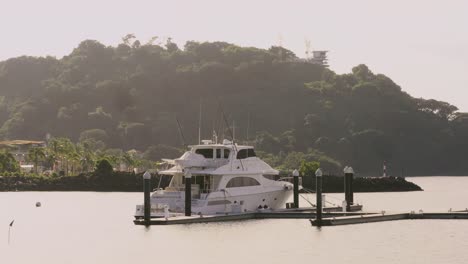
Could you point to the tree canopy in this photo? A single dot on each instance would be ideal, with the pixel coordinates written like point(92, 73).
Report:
point(129, 96)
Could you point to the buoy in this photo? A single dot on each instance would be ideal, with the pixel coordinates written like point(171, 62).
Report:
point(38, 204)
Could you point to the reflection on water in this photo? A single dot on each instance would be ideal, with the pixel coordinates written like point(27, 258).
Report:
point(87, 227)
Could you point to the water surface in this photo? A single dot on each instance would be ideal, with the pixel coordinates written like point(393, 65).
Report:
point(90, 227)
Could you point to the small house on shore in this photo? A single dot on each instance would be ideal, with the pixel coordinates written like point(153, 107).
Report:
point(19, 149)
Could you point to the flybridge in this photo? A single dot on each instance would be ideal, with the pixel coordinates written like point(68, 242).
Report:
point(210, 142)
point(209, 156)
point(212, 150)
point(223, 151)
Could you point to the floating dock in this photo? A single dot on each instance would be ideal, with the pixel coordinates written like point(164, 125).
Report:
point(292, 213)
point(332, 216)
point(370, 218)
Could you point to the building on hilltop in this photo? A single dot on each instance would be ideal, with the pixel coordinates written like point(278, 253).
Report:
point(319, 57)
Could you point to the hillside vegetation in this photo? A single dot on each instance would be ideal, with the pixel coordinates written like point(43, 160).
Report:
point(129, 97)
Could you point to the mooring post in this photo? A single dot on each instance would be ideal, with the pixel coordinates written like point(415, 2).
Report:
point(351, 179)
point(318, 186)
point(349, 196)
point(147, 202)
point(188, 193)
point(346, 191)
point(295, 175)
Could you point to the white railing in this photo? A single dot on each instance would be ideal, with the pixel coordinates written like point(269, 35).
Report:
point(196, 191)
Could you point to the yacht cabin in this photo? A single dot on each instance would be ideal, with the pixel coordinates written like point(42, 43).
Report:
point(216, 167)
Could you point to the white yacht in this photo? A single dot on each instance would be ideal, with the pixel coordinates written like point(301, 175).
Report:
point(226, 178)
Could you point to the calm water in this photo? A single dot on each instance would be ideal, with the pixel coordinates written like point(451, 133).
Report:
point(87, 227)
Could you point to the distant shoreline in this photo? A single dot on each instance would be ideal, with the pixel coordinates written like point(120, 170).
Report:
point(129, 182)
point(436, 176)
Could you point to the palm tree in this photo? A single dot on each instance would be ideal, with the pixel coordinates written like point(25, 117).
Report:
point(129, 160)
point(62, 149)
point(74, 157)
point(87, 155)
point(53, 152)
point(35, 155)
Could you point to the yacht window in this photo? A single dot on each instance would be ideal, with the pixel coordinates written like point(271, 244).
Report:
point(245, 153)
point(271, 177)
point(226, 153)
point(207, 153)
point(242, 154)
point(251, 153)
point(242, 182)
point(218, 153)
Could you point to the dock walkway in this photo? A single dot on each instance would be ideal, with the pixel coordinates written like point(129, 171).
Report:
point(369, 218)
point(332, 216)
point(293, 213)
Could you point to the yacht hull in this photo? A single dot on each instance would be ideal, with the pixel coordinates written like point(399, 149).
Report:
point(221, 203)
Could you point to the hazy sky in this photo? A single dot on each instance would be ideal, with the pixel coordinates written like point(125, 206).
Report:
point(421, 45)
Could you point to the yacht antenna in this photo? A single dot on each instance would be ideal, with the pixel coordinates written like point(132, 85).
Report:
point(232, 135)
point(199, 122)
point(233, 130)
point(215, 137)
point(223, 136)
point(181, 134)
point(248, 125)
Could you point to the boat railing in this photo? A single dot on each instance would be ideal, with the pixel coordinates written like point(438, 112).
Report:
point(196, 191)
point(174, 189)
point(289, 179)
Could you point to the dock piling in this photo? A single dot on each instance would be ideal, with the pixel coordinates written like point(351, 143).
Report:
point(348, 186)
point(318, 214)
point(147, 199)
point(188, 193)
point(351, 179)
point(295, 175)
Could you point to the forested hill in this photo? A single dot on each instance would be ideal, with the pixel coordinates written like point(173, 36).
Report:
point(129, 97)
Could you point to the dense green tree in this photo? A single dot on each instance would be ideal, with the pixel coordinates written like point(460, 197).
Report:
point(127, 97)
point(94, 134)
point(8, 162)
point(103, 169)
point(308, 168)
point(159, 152)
